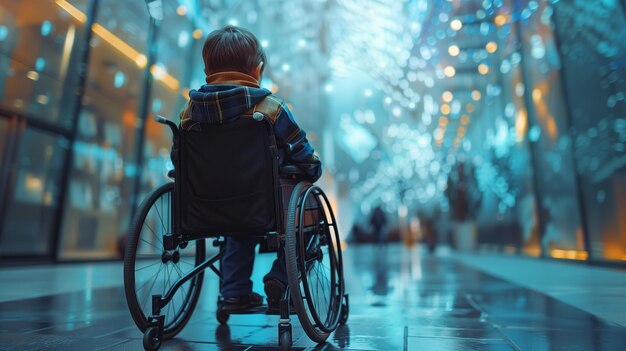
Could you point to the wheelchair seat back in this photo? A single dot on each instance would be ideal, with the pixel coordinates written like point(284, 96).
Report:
point(226, 180)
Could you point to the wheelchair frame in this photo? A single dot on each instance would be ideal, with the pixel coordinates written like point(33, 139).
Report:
point(154, 327)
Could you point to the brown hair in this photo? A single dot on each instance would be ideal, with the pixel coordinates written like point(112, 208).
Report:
point(232, 49)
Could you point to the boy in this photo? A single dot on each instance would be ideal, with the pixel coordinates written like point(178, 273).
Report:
point(233, 64)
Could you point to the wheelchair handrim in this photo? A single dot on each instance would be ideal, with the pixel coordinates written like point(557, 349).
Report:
point(336, 286)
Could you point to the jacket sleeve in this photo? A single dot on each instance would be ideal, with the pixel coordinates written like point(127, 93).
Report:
point(302, 154)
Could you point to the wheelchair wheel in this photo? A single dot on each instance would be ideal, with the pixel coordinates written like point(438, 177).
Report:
point(314, 261)
point(149, 269)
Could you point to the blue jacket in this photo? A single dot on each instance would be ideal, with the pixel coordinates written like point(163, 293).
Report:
point(231, 95)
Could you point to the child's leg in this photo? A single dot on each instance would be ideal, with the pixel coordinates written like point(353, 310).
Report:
point(237, 266)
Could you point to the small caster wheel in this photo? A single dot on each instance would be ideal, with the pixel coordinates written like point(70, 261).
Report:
point(151, 341)
point(345, 312)
point(222, 316)
point(284, 341)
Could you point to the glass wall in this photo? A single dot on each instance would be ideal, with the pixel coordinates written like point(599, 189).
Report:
point(38, 50)
point(559, 219)
point(504, 169)
point(590, 35)
point(177, 40)
point(29, 221)
point(505, 117)
point(101, 179)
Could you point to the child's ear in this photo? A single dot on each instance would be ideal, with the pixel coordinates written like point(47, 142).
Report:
point(257, 71)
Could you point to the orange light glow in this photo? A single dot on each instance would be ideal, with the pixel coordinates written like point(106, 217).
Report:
point(123, 47)
point(197, 34)
point(73, 11)
point(465, 119)
point(454, 50)
point(129, 118)
point(445, 109)
point(500, 20)
point(521, 125)
point(449, 71)
point(569, 254)
point(161, 74)
point(552, 129)
point(33, 183)
point(185, 93)
point(181, 10)
point(533, 251)
point(140, 59)
point(456, 24)
point(476, 95)
point(483, 69)
point(537, 95)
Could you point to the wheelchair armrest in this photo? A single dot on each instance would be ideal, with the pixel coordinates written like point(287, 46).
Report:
point(291, 171)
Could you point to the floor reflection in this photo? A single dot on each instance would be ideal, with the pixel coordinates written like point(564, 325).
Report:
point(400, 299)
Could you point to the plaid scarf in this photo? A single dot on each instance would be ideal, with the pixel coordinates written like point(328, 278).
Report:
point(227, 96)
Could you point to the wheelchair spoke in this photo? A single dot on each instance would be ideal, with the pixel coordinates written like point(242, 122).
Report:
point(321, 284)
point(150, 265)
point(180, 275)
point(151, 244)
point(167, 279)
point(159, 214)
point(173, 301)
point(153, 232)
point(146, 275)
point(145, 300)
point(144, 284)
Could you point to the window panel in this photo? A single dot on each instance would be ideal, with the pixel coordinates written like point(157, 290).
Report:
point(561, 226)
point(176, 44)
point(33, 206)
point(39, 46)
point(595, 80)
point(104, 167)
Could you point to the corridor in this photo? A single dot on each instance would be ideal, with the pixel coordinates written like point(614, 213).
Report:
point(400, 299)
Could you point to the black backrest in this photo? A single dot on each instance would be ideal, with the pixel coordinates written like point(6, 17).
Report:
point(226, 180)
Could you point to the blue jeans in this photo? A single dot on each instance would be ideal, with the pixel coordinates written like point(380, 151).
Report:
point(237, 264)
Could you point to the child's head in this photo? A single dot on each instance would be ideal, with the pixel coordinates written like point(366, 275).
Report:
point(233, 49)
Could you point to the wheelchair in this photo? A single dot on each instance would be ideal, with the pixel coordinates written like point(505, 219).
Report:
point(227, 183)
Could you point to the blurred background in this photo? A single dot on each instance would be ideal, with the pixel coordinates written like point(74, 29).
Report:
point(496, 125)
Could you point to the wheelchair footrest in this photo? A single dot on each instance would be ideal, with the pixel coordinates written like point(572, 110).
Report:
point(252, 310)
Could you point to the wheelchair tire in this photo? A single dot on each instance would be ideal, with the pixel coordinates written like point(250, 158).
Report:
point(312, 250)
point(284, 340)
point(151, 341)
point(145, 255)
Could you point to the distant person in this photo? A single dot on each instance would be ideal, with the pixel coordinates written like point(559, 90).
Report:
point(428, 228)
point(378, 221)
point(233, 63)
point(357, 234)
point(464, 198)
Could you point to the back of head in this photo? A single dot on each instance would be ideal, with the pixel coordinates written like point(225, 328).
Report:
point(232, 49)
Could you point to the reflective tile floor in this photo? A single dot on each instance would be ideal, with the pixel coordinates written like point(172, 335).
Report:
point(401, 299)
